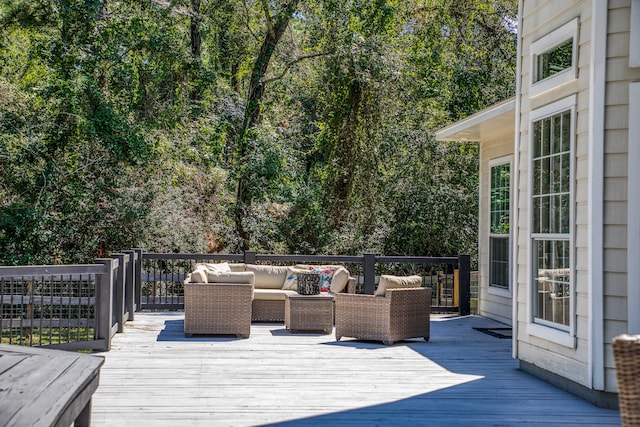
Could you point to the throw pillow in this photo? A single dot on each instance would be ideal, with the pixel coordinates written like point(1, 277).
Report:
point(291, 282)
point(309, 283)
point(199, 275)
point(339, 280)
point(325, 276)
point(222, 267)
point(396, 282)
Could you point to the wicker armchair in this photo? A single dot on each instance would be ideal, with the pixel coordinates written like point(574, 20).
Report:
point(626, 354)
point(217, 308)
point(401, 314)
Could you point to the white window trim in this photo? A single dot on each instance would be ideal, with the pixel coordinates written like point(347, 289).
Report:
point(550, 333)
point(496, 290)
point(634, 35)
point(540, 46)
point(633, 226)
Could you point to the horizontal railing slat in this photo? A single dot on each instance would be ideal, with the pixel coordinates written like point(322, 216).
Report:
point(46, 300)
point(47, 323)
point(37, 271)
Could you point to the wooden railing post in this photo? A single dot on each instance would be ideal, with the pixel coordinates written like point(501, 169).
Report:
point(369, 270)
point(129, 305)
point(249, 257)
point(119, 289)
point(104, 303)
point(137, 275)
point(464, 263)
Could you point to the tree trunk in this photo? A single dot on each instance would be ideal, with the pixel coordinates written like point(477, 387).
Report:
point(276, 26)
point(196, 45)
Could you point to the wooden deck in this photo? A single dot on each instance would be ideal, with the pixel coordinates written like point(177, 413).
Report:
point(154, 376)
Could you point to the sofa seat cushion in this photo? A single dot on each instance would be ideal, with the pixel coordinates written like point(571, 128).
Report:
point(268, 276)
point(271, 294)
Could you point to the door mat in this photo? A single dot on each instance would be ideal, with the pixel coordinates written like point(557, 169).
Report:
point(496, 332)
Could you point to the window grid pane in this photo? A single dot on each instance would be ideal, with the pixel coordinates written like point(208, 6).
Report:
point(552, 281)
point(551, 175)
point(500, 194)
point(551, 216)
point(499, 266)
point(499, 226)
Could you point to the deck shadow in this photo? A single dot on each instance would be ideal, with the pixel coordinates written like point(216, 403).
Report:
point(490, 390)
point(174, 331)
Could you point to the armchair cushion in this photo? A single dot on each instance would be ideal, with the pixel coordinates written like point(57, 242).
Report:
point(397, 282)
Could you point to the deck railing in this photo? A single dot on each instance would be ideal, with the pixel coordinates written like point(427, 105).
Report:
point(162, 275)
point(79, 307)
point(71, 307)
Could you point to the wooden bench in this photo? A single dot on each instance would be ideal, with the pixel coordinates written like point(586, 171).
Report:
point(41, 387)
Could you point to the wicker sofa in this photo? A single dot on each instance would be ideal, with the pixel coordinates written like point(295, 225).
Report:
point(270, 284)
point(400, 309)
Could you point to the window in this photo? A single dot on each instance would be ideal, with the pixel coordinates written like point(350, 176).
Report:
point(553, 58)
point(551, 222)
point(499, 247)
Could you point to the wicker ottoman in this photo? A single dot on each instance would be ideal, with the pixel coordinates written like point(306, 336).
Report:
point(309, 313)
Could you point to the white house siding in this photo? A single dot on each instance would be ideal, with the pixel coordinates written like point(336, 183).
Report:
point(616, 179)
point(496, 303)
point(540, 18)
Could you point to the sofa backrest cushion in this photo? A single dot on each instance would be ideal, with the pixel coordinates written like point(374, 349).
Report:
point(268, 276)
point(232, 277)
point(396, 282)
point(237, 267)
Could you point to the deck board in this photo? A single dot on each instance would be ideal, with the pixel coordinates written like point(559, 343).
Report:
point(154, 376)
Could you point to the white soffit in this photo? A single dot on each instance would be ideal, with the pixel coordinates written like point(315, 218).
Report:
point(495, 121)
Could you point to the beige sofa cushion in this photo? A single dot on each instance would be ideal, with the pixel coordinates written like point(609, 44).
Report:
point(339, 280)
point(237, 267)
point(199, 275)
point(271, 294)
point(397, 282)
point(232, 277)
point(221, 267)
point(268, 276)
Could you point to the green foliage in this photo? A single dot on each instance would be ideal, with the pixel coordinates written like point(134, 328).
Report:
point(117, 130)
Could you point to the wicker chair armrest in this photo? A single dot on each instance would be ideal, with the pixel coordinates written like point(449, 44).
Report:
point(367, 304)
point(406, 296)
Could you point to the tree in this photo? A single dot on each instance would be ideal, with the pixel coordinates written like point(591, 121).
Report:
point(275, 27)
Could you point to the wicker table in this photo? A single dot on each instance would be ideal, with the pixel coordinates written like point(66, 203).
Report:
point(309, 313)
